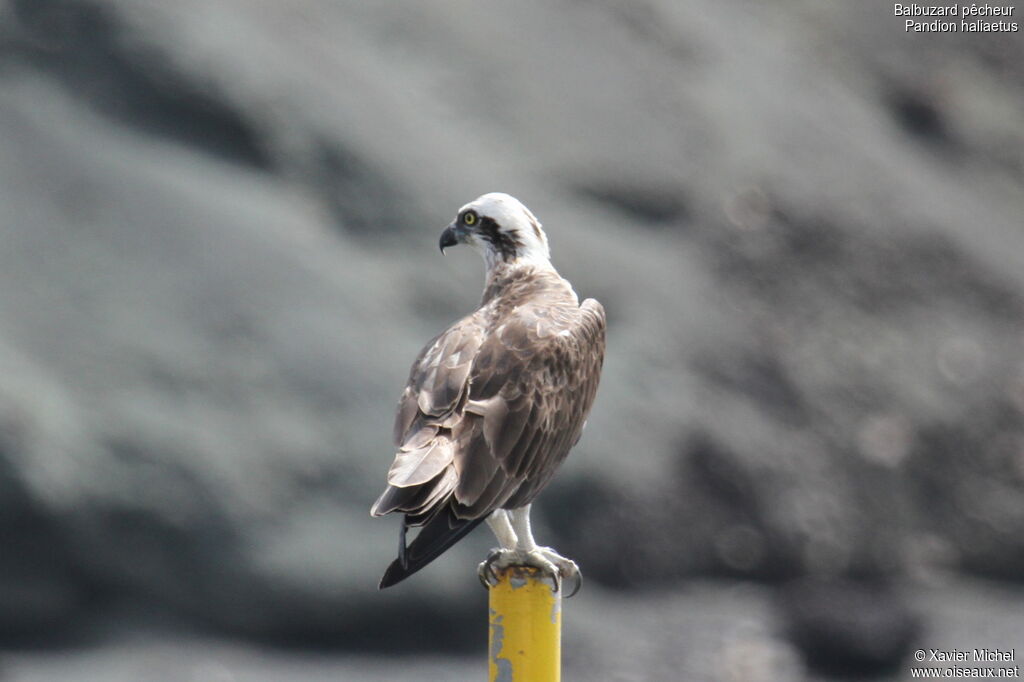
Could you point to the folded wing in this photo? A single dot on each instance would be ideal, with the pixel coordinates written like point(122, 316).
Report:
point(492, 407)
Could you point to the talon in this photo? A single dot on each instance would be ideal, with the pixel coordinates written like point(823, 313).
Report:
point(564, 568)
point(579, 583)
point(481, 578)
point(544, 558)
point(485, 569)
point(556, 575)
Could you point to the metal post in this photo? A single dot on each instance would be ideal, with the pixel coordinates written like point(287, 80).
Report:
point(525, 641)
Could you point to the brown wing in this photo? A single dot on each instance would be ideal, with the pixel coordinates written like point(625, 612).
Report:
point(486, 418)
point(422, 475)
point(531, 387)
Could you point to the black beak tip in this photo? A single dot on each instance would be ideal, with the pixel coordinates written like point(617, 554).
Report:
point(447, 239)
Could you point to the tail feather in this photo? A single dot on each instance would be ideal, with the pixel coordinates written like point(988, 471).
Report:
point(440, 533)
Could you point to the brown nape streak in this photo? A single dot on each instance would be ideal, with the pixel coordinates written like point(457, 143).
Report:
point(536, 228)
point(504, 243)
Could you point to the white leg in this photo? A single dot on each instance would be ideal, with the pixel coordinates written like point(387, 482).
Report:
point(518, 548)
point(499, 523)
point(520, 522)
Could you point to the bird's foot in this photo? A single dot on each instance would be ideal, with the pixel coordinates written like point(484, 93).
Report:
point(547, 560)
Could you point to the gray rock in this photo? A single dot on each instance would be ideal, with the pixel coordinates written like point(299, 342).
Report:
point(218, 256)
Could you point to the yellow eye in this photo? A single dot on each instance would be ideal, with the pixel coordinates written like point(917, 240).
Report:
point(469, 218)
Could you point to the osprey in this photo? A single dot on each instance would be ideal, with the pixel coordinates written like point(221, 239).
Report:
point(494, 404)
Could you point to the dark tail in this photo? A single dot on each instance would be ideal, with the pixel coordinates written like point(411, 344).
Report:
point(440, 533)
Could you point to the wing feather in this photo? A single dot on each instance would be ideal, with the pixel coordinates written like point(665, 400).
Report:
point(419, 465)
point(476, 467)
point(491, 409)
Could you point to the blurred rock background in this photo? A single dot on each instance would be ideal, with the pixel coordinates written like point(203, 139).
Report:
point(218, 227)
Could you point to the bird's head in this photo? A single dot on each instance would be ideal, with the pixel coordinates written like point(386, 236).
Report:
point(501, 228)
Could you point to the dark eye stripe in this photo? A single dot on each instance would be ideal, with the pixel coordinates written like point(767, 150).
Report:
point(504, 243)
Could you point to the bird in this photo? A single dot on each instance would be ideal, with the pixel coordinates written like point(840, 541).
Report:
point(494, 404)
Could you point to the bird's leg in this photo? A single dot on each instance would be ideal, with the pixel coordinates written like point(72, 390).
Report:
point(524, 551)
point(502, 528)
point(559, 566)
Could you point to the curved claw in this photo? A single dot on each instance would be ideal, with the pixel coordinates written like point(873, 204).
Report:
point(579, 583)
point(485, 570)
point(546, 559)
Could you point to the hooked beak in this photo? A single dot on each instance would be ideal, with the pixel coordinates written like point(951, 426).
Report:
point(448, 238)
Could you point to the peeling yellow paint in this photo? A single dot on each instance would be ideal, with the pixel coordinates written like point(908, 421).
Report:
point(525, 627)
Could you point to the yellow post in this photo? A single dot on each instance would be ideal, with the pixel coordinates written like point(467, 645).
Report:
point(525, 641)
